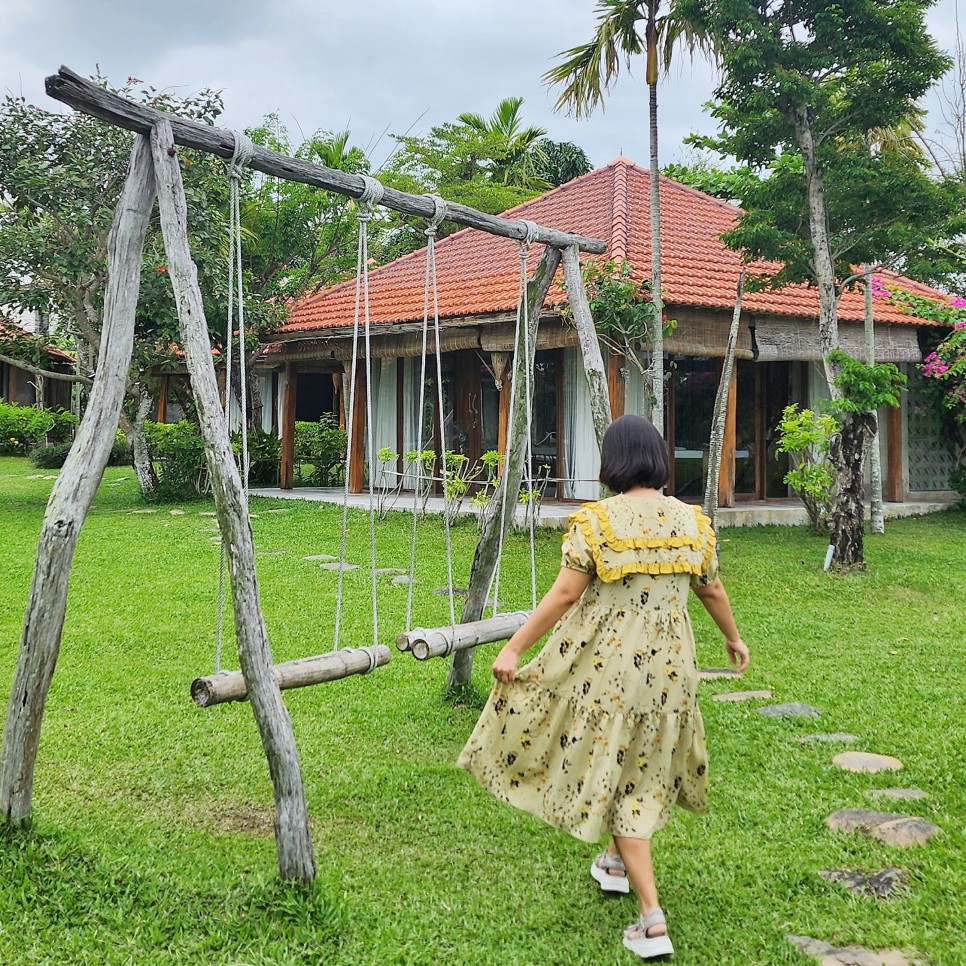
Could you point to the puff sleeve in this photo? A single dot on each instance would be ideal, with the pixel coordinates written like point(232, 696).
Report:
point(576, 552)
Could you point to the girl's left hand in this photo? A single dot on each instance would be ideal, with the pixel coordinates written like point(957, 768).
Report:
point(505, 665)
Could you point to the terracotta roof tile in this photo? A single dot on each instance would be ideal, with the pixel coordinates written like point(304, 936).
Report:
point(477, 273)
point(10, 330)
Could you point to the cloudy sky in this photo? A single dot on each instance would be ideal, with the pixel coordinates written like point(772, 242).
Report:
point(376, 67)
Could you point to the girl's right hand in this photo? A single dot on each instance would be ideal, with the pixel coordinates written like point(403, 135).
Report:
point(738, 654)
point(505, 665)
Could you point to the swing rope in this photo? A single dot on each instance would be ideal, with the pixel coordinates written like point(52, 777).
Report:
point(242, 154)
point(430, 292)
point(522, 320)
point(371, 196)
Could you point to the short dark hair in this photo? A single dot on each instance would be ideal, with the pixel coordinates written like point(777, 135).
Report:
point(633, 454)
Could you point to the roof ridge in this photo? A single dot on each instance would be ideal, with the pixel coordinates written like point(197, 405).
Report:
point(620, 211)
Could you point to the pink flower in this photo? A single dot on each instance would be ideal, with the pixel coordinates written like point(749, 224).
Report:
point(958, 302)
point(961, 324)
point(879, 290)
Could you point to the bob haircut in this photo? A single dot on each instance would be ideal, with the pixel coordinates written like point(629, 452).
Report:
point(633, 454)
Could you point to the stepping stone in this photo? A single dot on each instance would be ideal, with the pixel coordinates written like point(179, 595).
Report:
point(832, 738)
point(403, 579)
point(792, 710)
point(338, 566)
point(829, 955)
point(252, 516)
point(850, 819)
point(451, 591)
point(385, 571)
point(321, 556)
point(215, 539)
point(904, 833)
point(910, 793)
point(715, 673)
point(880, 885)
point(50, 477)
point(177, 513)
point(278, 510)
point(35, 476)
point(207, 513)
point(271, 553)
point(891, 828)
point(862, 761)
point(740, 695)
point(142, 511)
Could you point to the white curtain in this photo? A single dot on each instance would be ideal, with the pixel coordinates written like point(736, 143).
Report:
point(581, 453)
point(634, 393)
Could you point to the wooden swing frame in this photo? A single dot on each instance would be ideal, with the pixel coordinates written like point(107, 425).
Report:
point(155, 174)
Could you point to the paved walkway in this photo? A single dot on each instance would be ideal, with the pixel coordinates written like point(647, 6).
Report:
point(553, 513)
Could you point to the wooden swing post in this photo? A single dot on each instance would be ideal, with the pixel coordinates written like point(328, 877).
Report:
point(73, 493)
point(296, 859)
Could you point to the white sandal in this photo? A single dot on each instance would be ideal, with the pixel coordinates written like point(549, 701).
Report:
point(647, 947)
point(600, 869)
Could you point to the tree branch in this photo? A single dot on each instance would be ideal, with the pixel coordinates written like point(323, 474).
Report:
point(47, 374)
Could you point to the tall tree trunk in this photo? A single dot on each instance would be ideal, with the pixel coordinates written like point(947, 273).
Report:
point(657, 296)
point(143, 467)
point(848, 450)
point(73, 493)
point(496, 524)
point(851, 442)
point(875, 462)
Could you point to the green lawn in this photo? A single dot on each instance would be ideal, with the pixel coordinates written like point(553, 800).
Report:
point(152, 840)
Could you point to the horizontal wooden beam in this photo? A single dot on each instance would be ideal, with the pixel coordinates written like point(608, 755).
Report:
point(230, 685)
point(427, 642)
point(81, 94)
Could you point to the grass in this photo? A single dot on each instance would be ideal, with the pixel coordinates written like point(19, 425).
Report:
point(152, 836)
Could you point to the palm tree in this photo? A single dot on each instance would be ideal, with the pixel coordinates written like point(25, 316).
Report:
point(587, 71)
point(516, 147)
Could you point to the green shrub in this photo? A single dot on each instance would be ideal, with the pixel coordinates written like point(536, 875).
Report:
point(178, 453)
point(25, 428)
point(322, 446)
point(804, 435)
point(53, 457)
point(264, 452)
point(957, 480)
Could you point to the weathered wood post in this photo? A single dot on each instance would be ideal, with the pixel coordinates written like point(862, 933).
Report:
point(589, 343)
point(716, 444)
point(496, 524)
point(73, 493)
point(296, 860)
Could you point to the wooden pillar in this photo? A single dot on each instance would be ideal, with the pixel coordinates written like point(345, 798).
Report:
point(894, 490)
point(726, 479)
point(287, 470)
point(73, 493)
point(616, 385)
point(296, 860)
point(163, 400)
point(357, 458)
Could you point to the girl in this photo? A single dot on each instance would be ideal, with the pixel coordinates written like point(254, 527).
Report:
point(601, 732)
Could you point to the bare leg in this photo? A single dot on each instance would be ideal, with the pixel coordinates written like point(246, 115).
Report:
point(636, 854)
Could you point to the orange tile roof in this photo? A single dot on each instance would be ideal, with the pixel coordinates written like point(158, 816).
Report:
point(10, 330)
point(478, 273)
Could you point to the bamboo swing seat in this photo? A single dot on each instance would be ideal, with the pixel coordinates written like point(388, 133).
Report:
point(426, 642)
point(230, 685)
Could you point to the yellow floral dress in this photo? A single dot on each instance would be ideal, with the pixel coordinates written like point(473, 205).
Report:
point(601, 731)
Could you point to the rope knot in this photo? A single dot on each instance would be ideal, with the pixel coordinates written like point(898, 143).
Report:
point(440, 210)
point(372, 194)
point(241, 155)
point(531, 228)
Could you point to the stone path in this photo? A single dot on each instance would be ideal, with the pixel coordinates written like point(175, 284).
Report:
point(792, 710)
point(829, 955)
point(891, 828)
point(880, 885)
point(715, 673)
point(863, 761)
point(740, 695)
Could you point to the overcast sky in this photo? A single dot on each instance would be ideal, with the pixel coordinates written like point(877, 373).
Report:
point(376, 67)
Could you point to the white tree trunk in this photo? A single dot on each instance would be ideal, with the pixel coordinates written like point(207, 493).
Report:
point(140, 454)
point(657, 294)
point(73, 493)
point(296, 860)
point(875, 461)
